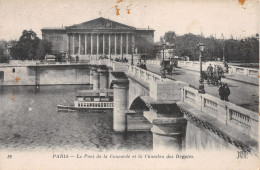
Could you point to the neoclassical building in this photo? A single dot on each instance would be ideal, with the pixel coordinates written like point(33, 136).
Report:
point(99, 37)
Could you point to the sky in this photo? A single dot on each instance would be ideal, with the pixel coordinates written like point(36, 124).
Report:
point(239, 18)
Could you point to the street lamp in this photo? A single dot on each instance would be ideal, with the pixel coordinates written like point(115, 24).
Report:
point(132, 59)
point(163, 64)
point(201, 86)
point(110, 52)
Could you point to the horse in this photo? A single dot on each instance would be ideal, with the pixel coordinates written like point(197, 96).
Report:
point(214, 79)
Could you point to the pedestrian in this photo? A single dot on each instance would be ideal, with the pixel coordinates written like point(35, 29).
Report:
point(210, 70)
point(226, 92)
point(221, 92)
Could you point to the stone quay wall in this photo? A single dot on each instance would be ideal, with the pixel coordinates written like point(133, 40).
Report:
point(44, 75)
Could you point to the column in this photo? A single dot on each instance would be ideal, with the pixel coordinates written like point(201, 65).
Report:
point(73, 44)
point(121, 44)
point(115, 44)
point(133, 41)
point(79, 43)
point(68, 43)
point(126, 43)
point(120, 106)
point(103, 44)
point(109, 44)
point(97, 44)
point(85, 44)
point(91, 44)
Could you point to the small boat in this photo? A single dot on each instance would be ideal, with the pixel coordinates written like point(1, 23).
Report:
point(90, 101)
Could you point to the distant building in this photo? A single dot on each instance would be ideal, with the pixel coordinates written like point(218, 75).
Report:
point(100, 37)
point(5, 48)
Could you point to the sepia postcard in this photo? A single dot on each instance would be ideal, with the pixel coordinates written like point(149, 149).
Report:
point(129, 84)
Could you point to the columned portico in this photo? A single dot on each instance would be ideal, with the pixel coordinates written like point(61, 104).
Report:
point(95, 47)
point(97, 37)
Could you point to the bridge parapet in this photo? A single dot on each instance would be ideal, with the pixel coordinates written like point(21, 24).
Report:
point(155, 62)
point(241, 119)
point(145, 75)
point(232, 69)
point(99, 62)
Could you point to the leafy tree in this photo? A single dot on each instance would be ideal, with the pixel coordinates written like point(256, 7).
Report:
point(26, 47)
point(44, 48)
point(169, 37)
point(246, 50)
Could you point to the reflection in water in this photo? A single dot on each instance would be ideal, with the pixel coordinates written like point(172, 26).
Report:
point(32, 121)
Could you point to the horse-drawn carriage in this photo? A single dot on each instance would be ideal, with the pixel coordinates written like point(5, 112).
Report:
point(168, 66)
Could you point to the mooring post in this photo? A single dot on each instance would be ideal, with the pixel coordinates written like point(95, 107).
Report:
point(37, 79)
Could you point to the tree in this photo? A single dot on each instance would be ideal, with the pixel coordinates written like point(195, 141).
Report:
point(26, 47)
point(246, 50)
point(44, 48)
point(169, 37)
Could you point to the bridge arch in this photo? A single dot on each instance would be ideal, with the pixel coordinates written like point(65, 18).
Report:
point(138, 104)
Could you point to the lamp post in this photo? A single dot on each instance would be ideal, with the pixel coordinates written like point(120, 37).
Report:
point(110, 53)
point(163, 65)
point(201, 85)
point(132, 59)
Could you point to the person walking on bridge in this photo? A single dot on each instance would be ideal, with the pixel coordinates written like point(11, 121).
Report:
point(221, 92)
point(226, 92)
point(210, 70)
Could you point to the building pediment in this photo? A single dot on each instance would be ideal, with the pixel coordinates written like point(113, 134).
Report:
point(101, 23)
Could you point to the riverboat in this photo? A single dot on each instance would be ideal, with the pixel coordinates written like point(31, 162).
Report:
point(93, 100)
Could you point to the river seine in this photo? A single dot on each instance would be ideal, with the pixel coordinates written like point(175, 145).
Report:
point(29, 120)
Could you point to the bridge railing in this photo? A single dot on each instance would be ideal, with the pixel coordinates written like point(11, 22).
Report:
point(145, 75)
point(243, 71)
point(241, 119)
point(155, 62)
point(252, 72)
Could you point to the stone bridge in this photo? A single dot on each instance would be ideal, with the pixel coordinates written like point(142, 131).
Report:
point(169, 104)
